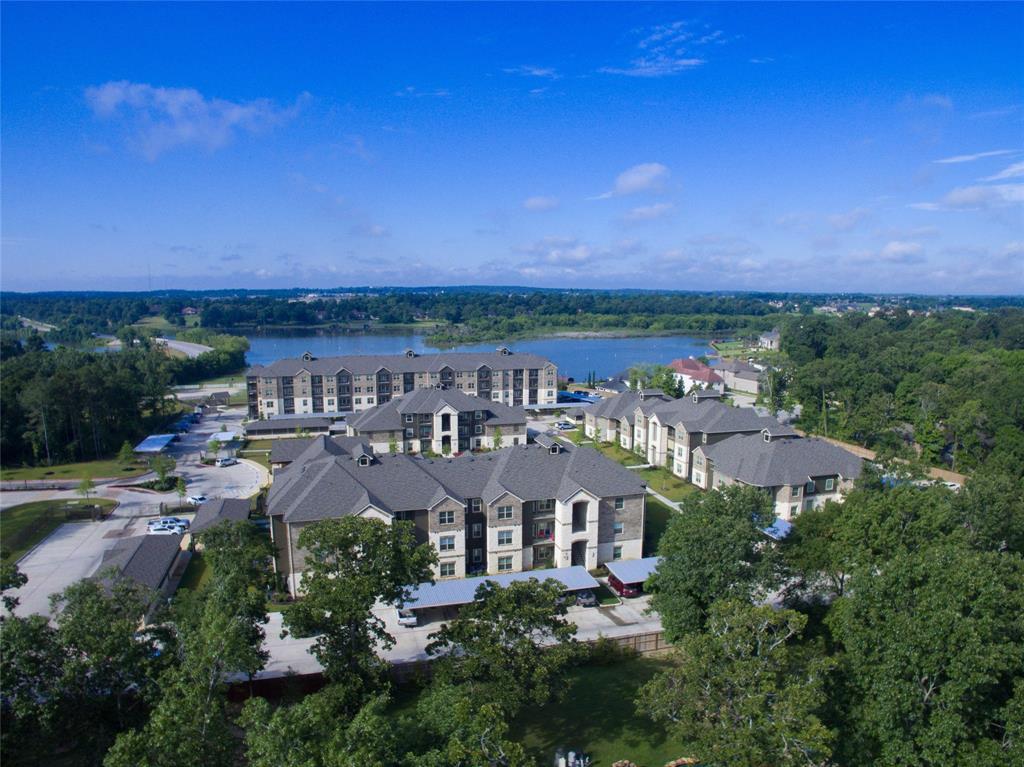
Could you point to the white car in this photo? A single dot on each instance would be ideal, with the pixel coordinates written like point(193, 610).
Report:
point(225, 462)
point(168, 522)
point(195, 500)
point(166, 530)
point(408, 618)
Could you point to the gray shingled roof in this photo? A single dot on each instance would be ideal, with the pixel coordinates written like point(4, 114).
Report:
point(709, 415)
point(287, 450)
point(219, 510)
point(145, 559)
point(790, 461)
point(624, 405)
point(322, 484)
point(363, 364)
point(389, 416)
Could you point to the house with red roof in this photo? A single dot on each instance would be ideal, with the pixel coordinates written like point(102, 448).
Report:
point(693, 374)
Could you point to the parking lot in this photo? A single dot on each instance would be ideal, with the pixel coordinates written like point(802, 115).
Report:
point(75, 550)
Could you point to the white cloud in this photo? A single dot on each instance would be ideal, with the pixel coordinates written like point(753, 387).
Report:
point(762, 60)
point(1013, 171)
point(844, 222)
point(961, 158)
point(940, 100)
point(977, 198)
point(648, 212)
point(166, 118)
point(645, 177)
point(667, 50)
point(540, 203)
point(549, 73)
point(902, 252)
point(414, 92)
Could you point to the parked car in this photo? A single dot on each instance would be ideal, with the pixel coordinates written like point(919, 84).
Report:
point(195, 500)
point(168, 521)
point(225, 462)
point(586, 598)
point(166, 530)
point(407, 617)
point(623, 589)
point(565, 426)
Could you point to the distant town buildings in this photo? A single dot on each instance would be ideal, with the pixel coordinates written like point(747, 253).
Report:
point(770, 341)
point(345, 384)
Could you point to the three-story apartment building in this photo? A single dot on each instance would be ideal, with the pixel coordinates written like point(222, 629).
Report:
point(519, 508)
point(308, 384)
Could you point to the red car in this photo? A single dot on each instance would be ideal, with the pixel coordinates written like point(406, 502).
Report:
point(623, 589)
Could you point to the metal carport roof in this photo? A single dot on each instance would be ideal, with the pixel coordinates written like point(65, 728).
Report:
point(633, 570)
point(155, 443)
point(463, 591)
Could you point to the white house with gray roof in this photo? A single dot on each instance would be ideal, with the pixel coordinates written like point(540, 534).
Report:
point(799, 472)
point(309, 384)
point(611, 419)
point(518, 508)
point(442, 421)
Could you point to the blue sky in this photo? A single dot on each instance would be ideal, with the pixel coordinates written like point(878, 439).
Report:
point(867, 147)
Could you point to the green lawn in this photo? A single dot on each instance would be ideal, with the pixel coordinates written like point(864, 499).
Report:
point(656, 520)
point(25, 525)
point(227, 378)
point(259, 456)
point(159, 322)
point(619, 454)
point(731, 348)
point(599, 717)
point(258, 444)
point(665, 482)
point(93, 469)
point(196, 574)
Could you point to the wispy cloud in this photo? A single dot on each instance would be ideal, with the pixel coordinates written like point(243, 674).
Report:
point(939, 100)
point(668, 49)
point(962, 158)
point(528, 70)
point(977, 197)
point(166, 118)
point(540, 203)
point(366, 229)
point(761, 60)
point(645, 177)
point(412, 91)
point(355, 145)
point(1013, 171)
point(648, 212)
point(844, 222)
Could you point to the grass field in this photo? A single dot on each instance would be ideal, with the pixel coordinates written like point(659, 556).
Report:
point(655, 522)
point(260, 457)
point(25, 525)
point(92, 469)
point(599, 717)
point(160, 323)
point(665, 482)
point(196, 574)
point(619, 454)
point(731, 348)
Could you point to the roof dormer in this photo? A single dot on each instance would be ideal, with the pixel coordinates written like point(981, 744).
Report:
point(308, 357)
point(410, 353)
point(504, 351)
point(766, 435)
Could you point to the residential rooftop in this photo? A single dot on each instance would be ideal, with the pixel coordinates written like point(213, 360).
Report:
point(409, 362)
point(753, 460)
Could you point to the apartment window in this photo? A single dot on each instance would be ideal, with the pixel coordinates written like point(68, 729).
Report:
point(478, 429)
point(617, 552)
point(504, 512)
point(796, 491)
point(369, 400)
point(679, 451)
point(698, 478)
point(478, 556)
point(268, 403)
point(830, 485)
point(447, 543)
point(478, 415)
point(447, 569)
point(504, 564)
point(504, 537)
point(409, 433)
point(478, 530)
point(446, 517)
point(617, 528)
point(305, 403)
point(359, 389)
point(409, 418)
point(474, 504)
point(704, 439)
point(809, 487)
point(548, 504)
point(359, 400)
point(369, 389)
point(620, 503)
point(698, 459)
point(793, 511)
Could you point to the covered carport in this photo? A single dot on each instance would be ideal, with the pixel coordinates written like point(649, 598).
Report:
point(630, 573)
point(155, 443)
point(443, 598)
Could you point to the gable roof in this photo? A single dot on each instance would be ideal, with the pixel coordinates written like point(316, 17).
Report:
point(287, 450)
point(738, 368)
point(695, 369)
point(363, 364)
point(709, 415)
point(389, 416)
point(789, 461)
point(219, 510)
point(146, 559)
point(322, 484)
point(624, 405)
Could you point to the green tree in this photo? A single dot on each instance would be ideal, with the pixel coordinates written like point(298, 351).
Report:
point(350, 564)
point(36, 707)
point(86, 487)
point(932, 647)
point(744, 692)
point(10, 578)
point(393, 446)
point(498, 638)
point(213, 446)
point(180, 488)
point(126, 454)
point(161, 465)
point(497, 437)
point(710, 550)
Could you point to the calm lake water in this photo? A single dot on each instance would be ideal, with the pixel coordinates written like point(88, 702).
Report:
point(575, 357)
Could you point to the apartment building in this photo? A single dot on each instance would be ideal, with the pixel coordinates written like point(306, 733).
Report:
point(667, 433)
point(518, 508)
point(740, 375)
point(693, 374)
point(798, 473)
point(611, 419)
point(442, 421)
point(308, 384)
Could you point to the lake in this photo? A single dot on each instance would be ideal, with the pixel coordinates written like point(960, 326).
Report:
point(575, 357)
